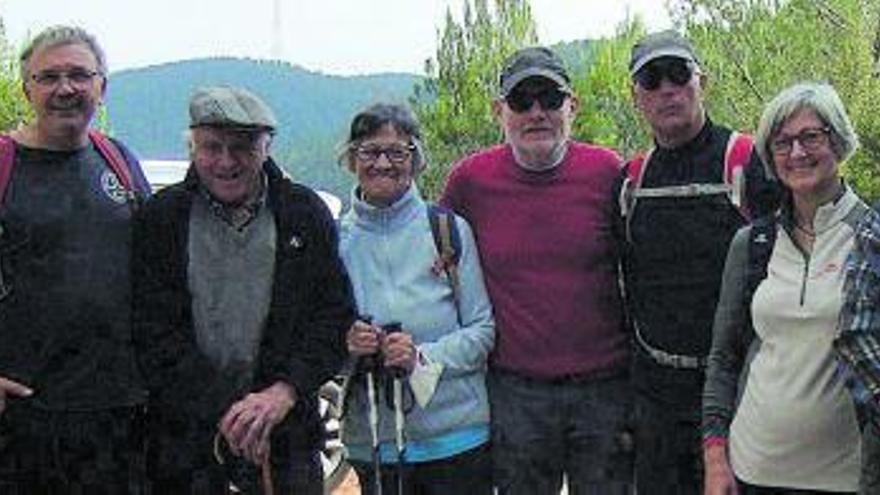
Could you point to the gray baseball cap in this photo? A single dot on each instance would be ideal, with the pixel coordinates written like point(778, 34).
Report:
point(661, 44)
point(227, 106)
point(531, 62)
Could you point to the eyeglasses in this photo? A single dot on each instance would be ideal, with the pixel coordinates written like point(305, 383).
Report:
point(810, 139)
point(397, 155)
point(78, 78)
point(675, 70)
point(521, 101)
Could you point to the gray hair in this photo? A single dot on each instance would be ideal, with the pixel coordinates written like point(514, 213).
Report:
point(370, 120)
point(62, 35)
point(819, 97)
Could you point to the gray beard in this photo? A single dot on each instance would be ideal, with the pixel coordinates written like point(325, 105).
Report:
point(555, 159)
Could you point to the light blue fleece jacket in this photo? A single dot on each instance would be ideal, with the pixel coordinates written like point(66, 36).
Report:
point(389, 253)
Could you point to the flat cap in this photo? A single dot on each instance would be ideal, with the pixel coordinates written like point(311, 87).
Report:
point(530, 62)
point(666, 43)
point(227, 106)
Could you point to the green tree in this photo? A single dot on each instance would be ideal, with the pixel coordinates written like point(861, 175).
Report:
point(453, 103)
point(13, 106)
point(751, 49)
point(607, 115)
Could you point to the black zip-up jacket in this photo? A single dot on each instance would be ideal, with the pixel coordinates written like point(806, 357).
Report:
point(675, 256)
point(303, 342)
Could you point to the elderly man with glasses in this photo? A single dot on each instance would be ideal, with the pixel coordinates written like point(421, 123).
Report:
point(680, 205)
point(539, 205)
point(70, 394)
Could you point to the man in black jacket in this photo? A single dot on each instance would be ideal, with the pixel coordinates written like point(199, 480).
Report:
point(681, 205)
point(241, 304)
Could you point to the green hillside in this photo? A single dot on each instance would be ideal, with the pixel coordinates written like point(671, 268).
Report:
point(147, 109)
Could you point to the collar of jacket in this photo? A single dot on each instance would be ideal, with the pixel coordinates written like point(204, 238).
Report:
point(391, 217)
point(827, 215)
point(697, 142)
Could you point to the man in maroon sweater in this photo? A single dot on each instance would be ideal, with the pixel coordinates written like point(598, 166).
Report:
point(540, 206)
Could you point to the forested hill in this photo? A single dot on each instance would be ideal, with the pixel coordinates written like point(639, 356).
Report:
point(147, 109)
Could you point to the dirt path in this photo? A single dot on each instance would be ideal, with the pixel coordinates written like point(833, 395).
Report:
point(349, 486)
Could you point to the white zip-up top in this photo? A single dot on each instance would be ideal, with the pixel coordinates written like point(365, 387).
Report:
point(795, 425)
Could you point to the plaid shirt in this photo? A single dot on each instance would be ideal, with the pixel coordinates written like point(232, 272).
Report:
point(238, 216)
point(858, 343)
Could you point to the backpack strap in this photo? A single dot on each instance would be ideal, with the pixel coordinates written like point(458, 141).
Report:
point(7, 160)
point(634, 172)
point(105, 146)
point(736, 159)
point(447, 240)
point(762, 238)
point(115, 159)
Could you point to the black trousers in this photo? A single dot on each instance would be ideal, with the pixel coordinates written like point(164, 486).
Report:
point(303, 477)
point(72, 453)
point(467, 473)
point(668, 440)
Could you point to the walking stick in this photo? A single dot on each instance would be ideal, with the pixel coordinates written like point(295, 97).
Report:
point(371, 367)
point(399, 427)
point(373, 418)
point(397, 375)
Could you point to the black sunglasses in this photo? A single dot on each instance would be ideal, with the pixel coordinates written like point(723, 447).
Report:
point(675, 70)
point(520, 101)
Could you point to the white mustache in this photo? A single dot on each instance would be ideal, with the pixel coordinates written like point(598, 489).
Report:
point(65, 103)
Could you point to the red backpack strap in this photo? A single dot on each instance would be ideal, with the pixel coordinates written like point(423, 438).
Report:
point(736, 159)
point(108, 149)
point(634, 168)
point(633, 177)
point(7, 160)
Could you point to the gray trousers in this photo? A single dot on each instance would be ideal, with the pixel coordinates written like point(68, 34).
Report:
point(544, 429)
point(869, 482)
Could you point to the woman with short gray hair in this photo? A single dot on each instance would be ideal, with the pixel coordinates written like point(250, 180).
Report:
point(776, 415)
point(430, 324)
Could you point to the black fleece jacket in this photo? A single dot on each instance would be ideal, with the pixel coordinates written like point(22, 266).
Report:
point(302, 344)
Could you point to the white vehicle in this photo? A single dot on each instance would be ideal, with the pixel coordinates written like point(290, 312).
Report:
point(163, 173)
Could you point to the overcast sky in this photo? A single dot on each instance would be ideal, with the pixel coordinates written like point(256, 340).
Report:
point(332, 36)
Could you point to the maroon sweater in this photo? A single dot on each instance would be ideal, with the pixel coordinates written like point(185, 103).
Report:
point(549, 258)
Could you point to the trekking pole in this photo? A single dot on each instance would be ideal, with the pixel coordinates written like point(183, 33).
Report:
point(399, 430)
point(371, 366)
point(373, 418)
point(397, 374)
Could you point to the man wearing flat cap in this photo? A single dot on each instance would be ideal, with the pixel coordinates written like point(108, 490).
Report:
point(680, 205)
point(241, 304)
point(540, 207)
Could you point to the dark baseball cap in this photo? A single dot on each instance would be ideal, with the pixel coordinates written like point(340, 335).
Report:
point(529, 62)
point(661, 44)
point(227, 106)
